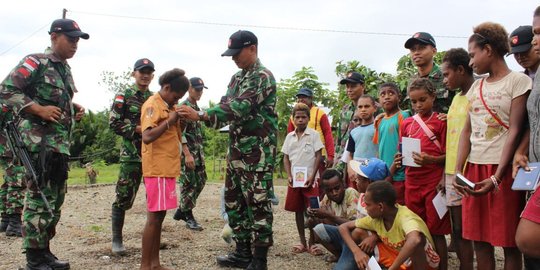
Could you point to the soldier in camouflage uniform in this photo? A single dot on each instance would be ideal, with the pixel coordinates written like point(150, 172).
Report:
point(125, 120)
point(422, 49)
point(11, 191)
point(354, 83)
point(249, 108)
point(193, 176)
point(40, 90)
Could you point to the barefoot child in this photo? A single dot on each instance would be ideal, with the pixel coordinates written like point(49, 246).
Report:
point(302, 148)
point(387, 134)
point(404, 237)
point(422, 183)
point(160, 159)
point(458, 76)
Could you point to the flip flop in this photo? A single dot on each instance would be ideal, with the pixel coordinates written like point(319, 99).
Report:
point(299, 248)
point(315, 250)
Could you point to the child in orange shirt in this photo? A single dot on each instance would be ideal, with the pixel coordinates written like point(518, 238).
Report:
point(160, 159)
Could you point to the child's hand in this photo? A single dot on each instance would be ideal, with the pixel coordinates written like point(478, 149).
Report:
point(361, 259)
point(461, 190)
point(482, 187)
point(289, 182)
point(309, 182)
point(520, 161)
point(421, 159)
point(397, 162)
point(441, 186)
point(368, 244)
point(321, 213)
point(442, 116)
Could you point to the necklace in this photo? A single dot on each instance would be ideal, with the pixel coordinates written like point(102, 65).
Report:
point(419, 128)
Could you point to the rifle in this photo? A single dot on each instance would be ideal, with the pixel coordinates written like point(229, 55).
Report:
point(19, 150)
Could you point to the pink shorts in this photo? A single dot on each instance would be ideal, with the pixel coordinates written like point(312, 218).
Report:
point(160, 193)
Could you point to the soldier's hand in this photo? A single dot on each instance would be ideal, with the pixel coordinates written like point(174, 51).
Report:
point(79, 112)
point(50, 113)
point(190, 162)
point(188, 112)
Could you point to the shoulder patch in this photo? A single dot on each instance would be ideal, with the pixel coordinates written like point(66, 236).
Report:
point(119, 98)
point(28, 66)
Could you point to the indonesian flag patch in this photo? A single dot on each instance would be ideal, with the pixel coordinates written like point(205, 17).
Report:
point(28, 66)
point(119, 101)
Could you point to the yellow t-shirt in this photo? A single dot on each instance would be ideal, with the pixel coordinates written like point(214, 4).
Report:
point(487, 135)
point(160, 158)
point(457, 115)
point(406, 221)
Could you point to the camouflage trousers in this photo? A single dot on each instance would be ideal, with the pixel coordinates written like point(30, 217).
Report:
point(39, 227)
point(191, 185)
point(248, 206)
point(129, 180)
point(11, 190)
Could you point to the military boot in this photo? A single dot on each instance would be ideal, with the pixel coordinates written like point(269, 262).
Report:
point(4, 222)
point(117, 225)
point(14, 227)
point(35, 260)
point(191, 223)
point(53, 262)
point(259, 261)
point(240, 258)
point(179, 215)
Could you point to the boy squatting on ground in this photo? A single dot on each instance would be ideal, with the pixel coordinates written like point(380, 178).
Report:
point(404, 237)
point(364, 172)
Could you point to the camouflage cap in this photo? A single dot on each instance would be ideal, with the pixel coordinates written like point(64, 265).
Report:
point(68, 27)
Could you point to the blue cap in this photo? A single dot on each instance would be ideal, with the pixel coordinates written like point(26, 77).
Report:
point(305, 92)
point(373, 169)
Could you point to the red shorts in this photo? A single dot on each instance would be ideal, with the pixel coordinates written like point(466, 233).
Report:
point(160, 193)
point(419, 198)
point(297, 199)
point(532, 209)
point(399, 186)
point(493, 217)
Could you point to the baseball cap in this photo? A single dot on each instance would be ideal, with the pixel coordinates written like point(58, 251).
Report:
point(373, 169)
point(422, 37)
point(305, 92)
point(353, 77)
point(143, 63)
point(68, 27)
point(197, 83)
point(520, 39)
point(239, 40)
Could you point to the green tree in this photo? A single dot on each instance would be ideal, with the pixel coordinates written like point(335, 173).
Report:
point(115, 82)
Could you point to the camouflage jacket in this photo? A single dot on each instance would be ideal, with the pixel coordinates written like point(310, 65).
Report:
point(192, 136)
point(249, 108)
point(124, 117)
point(5, 116)
point(46, 80)
point(345, 125)
point(444, 97)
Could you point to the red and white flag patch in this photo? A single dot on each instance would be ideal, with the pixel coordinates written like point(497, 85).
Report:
point(28, 66)
point(119, 98)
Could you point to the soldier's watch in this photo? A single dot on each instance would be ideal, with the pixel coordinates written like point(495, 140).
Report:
point(201, 115)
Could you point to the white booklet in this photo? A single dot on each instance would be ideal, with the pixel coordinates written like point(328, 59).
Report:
point(300, 175)
point(373, 264)
point(409, 145)
point(440, 204)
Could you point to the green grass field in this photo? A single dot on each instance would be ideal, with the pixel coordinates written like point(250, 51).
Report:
point(109, 174)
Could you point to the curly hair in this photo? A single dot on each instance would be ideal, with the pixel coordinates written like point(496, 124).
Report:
point(176, 79)
point(422, 84)
point(458, 57)
point(390, 85)
point(493, 34)
point(382, 192)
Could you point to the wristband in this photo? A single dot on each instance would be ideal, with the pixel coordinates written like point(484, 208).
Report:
point(495, 183)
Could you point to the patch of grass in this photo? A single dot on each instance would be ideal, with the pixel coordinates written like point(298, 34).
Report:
point(106, 174)
point(95, 228)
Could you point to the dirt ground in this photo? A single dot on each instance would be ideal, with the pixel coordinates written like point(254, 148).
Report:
point(84, 235)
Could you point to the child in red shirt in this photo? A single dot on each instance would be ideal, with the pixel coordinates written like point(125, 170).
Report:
point(422, 183)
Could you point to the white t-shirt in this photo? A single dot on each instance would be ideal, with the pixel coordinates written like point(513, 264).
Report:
point(487, 135)
point(301, 151)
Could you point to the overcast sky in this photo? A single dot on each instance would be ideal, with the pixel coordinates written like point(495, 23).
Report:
point(192, 35)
